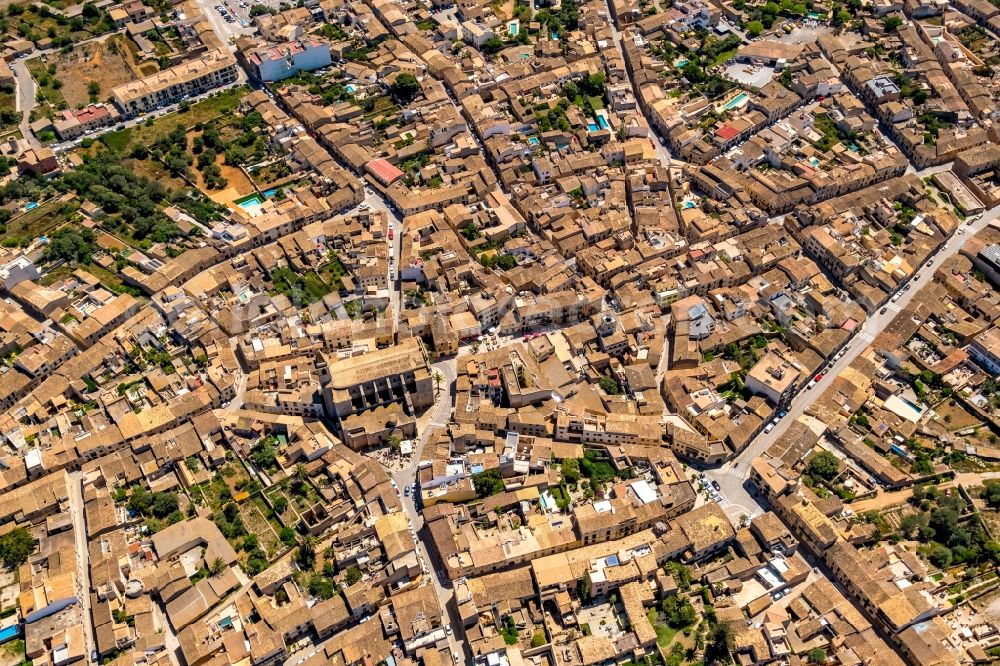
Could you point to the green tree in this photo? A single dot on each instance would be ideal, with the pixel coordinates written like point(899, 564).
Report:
point(471, 231)
point(991, 494)
point(140, 501)
point(593, 85)
point(492, 45)
point(609, 385)
point(321, 587)
point(693, 72)
point(939, 556)
point(679, 611)
point(16, 547)
point(570, 470)
point(287, 536)
point(263, 455)
point(352, 575)
point(488, 483)
point(163, 504)
point(891, 23)
point(405, 88)
point(681, 575)
point(755, 28)
point(824, 465)
point(305, 557)
point(217, 566)
point(720, 643)
point(817, 655)
point(538, 639)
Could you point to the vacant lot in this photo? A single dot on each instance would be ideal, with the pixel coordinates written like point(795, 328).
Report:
point(954, 417)
point(95, 67)
point(220, 104)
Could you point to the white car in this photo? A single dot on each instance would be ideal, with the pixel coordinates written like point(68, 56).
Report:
point(769, 428)
point(447, 629)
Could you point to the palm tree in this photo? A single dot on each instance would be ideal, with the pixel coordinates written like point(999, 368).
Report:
point(218, 564)
point(438, 378)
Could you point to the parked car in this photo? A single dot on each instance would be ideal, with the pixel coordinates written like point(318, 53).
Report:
point(715, 484)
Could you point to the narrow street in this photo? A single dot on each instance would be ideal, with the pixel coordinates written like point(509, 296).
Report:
point(439, 416)
point(661, 151)
point(82, 556)
point(733, 475)
point(25, 99)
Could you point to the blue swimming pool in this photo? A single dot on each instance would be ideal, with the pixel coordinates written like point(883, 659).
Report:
point(689, 204)
point(737, 101)
point(679, 64)
point(7, 633)
point(533, 140)
point(350, 87)
point(512, 28)
point(602, 121)
point(251, 203)
point(593, 127)
point(31, 205)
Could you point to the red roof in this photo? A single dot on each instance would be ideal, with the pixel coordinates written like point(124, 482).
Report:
point(727, 132)
point(384, 171)
point(92, 112)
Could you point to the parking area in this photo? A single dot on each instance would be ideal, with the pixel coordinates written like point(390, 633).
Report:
point(756, 76)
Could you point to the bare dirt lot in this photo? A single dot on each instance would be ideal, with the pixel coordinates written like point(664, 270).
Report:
point(102, 62)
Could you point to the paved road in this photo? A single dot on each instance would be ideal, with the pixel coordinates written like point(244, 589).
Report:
point(375, 202)
point(732, 476)
point(82, 556)
point(661, 152)
point(440, 415)
point(25, 98)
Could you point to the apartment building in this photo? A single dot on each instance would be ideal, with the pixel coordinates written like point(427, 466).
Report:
point(274, 63)
point(212, 70)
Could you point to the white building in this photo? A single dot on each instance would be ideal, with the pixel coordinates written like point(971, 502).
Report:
point(274, 63)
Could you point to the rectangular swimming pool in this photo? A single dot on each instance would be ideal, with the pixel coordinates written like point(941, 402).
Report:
point(737, 101)
point(251, 203)
point(7, 633)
